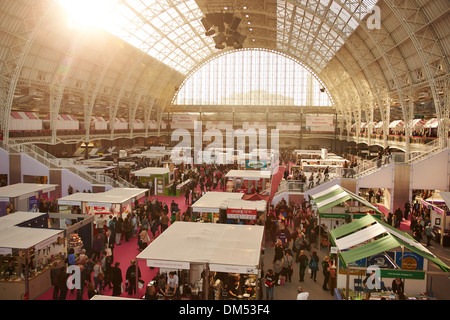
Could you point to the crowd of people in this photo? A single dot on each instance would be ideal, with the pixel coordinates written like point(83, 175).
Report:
point(293, 231)
point(291, 228)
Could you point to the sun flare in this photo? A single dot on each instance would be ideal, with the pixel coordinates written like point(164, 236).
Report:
point(84, 14)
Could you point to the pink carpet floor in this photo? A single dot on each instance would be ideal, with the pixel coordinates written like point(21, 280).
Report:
point(404, 224)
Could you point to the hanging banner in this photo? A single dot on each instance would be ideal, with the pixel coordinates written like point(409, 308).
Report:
point(33, 204)
point(277, 176)
point(183, 121)
point(320, 123)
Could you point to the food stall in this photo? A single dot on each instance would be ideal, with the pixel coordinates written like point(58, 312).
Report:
point(209, 253)
point(24, 196)
point(368, 244)
point(228, 207)
point(28, 248)
point(115, 201)
point(161, 179)
point(244, 180)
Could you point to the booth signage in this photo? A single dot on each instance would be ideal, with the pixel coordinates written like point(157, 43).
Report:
point(5, 251)
point(205, 210)
point(389, 273)
point(99, 204)
point(255, 164)
point(69, 203)
point(333, 215)
point(248, 214)
point(411, 261)
point(168, 264)
point(232, 268)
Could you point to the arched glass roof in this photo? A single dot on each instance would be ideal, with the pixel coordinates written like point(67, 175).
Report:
point(171, 30)
point(253, 77)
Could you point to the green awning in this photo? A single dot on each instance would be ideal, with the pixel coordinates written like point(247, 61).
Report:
point(383, 244)
point(336, 195)
point(369, 236)
point(349, 228)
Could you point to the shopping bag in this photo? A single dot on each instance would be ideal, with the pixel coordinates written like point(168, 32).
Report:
point(141, 283)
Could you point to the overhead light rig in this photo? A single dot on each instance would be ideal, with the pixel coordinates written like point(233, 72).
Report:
point(222, 27)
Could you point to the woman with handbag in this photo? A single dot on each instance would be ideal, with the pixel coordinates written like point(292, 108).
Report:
point(269, 283)
point(98, 276)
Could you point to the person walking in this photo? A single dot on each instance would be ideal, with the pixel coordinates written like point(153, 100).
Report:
point(118, 230)
point(131, 277)
point(314, 265)
point(98, 276)
point(332, 278)
point(269, 283)
point(288, 265)
point(164, 221)
point(429, 234)
point(326, 272)
point(116, 279)
point(303, 264)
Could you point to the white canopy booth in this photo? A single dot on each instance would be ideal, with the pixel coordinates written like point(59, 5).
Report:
point(211, 249)
point(396, 125)
point(230, 204)
point(30, 247)
point(23, 195)
point(24, 121)
point(244, 179)
point(115, 201)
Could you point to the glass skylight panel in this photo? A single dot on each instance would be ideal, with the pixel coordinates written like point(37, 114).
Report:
point(333, 17)
point(254, 77)
point(157, 27)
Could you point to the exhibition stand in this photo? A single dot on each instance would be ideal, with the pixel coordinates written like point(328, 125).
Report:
point(338, 203)
point(370, 244)
point(245, 180)
point(28, 249)
point(439, 212)
point(161, 179)
point(115, 201)
point(222, 254)
point(24, 196)
point(228, 207)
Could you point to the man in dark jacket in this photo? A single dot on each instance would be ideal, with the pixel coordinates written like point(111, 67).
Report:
point(55, 274)
point(116, 279)
point(131, 277)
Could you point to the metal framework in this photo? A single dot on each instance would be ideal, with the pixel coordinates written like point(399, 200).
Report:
point(370, 55)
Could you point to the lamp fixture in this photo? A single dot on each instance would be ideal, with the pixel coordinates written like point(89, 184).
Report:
point(222, 27)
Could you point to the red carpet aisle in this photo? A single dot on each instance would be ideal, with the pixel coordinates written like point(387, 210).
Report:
point(404, 224)
point(126, 252)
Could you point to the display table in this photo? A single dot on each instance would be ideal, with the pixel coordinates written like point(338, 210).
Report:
point(39, 282)
point(339, 294)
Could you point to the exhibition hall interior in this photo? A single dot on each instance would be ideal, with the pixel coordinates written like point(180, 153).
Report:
point(242, 150)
